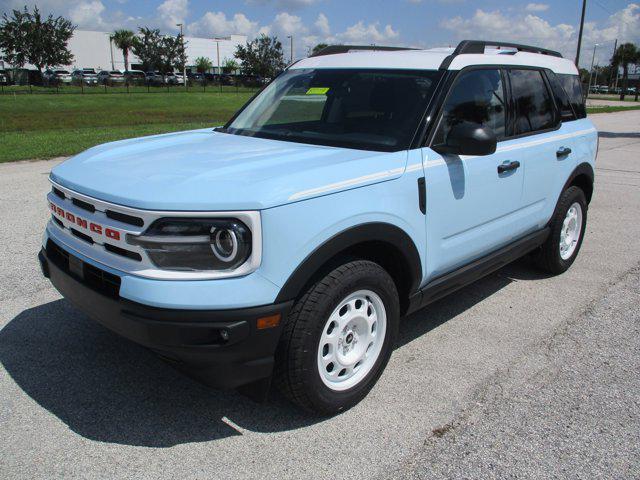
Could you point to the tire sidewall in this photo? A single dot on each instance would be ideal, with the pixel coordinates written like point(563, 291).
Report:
point(570, 196)
point(383, 286)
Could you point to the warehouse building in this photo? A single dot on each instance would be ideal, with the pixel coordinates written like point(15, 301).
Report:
point(92, 49)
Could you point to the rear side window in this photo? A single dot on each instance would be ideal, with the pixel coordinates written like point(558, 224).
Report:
point(562, 99)
point(573, 87)
point(476, 97)
point(535, 110)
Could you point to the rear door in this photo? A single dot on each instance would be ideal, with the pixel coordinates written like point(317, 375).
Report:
point(540, 141)
point(473, 203)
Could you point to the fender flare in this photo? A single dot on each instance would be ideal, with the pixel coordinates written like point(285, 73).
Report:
point(584, 169)
point(375, 232)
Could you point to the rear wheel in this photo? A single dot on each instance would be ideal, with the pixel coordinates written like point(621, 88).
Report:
point(568, 225)
point(338, 338)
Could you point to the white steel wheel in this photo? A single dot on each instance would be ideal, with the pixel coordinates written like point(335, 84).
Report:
point(571, 231)
point(352, 340)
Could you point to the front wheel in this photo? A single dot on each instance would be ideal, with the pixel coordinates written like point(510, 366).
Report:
point(568, 225)
point(338, 338)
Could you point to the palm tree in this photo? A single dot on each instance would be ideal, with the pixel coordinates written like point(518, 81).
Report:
point(124, 40)
point(625, 55)
point(203, 64)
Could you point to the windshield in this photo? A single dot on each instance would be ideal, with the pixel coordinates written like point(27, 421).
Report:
point(354, 108)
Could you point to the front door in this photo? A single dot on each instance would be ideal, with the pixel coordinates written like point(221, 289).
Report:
point(473, 203)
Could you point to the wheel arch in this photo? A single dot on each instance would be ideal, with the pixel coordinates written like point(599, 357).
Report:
point(388, 245)
point(582, 177)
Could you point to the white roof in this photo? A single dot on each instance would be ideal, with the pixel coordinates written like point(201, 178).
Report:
point(432, 59)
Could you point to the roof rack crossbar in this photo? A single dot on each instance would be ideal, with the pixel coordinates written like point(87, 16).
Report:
point(478, 46)
point(335, 49)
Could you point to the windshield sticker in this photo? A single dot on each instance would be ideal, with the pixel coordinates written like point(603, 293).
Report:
point(318, 91)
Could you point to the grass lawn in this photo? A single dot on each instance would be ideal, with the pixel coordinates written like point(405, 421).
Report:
point(46, 126)
point(610, 109)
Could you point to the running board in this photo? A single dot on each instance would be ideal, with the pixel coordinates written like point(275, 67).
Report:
point(443, 286)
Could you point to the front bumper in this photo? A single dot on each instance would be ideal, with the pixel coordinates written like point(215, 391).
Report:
point(222, 348)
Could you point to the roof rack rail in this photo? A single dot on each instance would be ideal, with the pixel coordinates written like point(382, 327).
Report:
point(478, 46)
point(335, 49)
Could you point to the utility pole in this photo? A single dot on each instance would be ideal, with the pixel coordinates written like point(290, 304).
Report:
point(184, 65)
point(584, 9)
point(591, 70)
point(290, 37)
point(615, 48)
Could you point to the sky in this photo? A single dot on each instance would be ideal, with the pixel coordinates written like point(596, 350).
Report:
point(415, 23)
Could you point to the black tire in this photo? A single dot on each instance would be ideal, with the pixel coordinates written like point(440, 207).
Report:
point(297, 374)
point(549, 258)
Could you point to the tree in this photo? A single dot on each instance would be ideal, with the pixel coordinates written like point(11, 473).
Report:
point(203, 64)
point(625, 55)
point(147, 47)
point(157, 52)
point(318, 48)
point(262, 56)
point(229, 65)
point(26, 37)
point(124, 40)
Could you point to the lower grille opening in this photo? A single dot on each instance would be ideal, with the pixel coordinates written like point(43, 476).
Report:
point(122, 252)
point(59, 222)
point(95, 278)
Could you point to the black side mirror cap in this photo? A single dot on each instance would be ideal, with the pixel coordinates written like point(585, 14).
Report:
point(468, 138)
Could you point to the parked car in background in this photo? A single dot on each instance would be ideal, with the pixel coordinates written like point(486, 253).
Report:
point(603, 89)
point(154, 78)
point(4, 77)
point(133, 77)
point(56, 77)
point(173, 79)
point(113, 77)
point(195, 77)
point(85, 76)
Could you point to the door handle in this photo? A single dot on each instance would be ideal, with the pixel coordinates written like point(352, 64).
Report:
point(563, 152)
point(507, 167)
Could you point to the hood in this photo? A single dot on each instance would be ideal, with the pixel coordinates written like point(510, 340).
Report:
point(206, 170)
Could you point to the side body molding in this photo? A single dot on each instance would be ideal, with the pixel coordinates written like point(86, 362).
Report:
point(371, 239)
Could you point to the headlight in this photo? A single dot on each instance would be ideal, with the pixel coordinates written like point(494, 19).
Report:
point(196, 244)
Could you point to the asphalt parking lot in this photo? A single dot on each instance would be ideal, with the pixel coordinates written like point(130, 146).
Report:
point(518, 375)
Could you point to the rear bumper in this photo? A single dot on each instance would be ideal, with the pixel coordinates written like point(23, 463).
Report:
point(223, 348)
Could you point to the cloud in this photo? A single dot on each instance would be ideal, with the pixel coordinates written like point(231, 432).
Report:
point(536, 7)
point(284, 4)
point(529, 28)
point(88, 13)
point(367, 33)
point(217, 23)
point(322, 25)
point(172, 12)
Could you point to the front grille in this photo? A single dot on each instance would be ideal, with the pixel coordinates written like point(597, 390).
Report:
point(124, 218)
point(58, 193)
point(122, 252)
point(82, 236)
point(84, 205)
point(95, 278)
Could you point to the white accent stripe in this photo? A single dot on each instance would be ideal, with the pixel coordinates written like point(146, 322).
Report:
point(417, 166)
point(354, 181)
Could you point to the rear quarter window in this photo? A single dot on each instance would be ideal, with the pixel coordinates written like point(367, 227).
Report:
point(562, 99)
point(573, 87)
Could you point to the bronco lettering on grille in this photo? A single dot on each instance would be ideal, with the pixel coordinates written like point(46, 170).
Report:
point(84, 224)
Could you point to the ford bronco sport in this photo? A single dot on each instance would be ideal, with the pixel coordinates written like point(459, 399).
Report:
point(359, 186)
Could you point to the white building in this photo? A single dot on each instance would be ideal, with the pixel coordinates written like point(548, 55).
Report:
point(94, 50)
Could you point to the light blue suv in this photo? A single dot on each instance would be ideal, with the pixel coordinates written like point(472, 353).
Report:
point(359, 186)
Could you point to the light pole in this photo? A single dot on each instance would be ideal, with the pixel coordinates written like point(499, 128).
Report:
point(591, 70)
point(184, 65)
point(113, 66)
point(290, 37)
point(584, 9)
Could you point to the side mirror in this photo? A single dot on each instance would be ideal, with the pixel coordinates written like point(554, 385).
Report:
point(468, 138)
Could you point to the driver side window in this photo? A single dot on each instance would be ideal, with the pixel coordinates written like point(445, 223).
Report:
point(477, 97)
